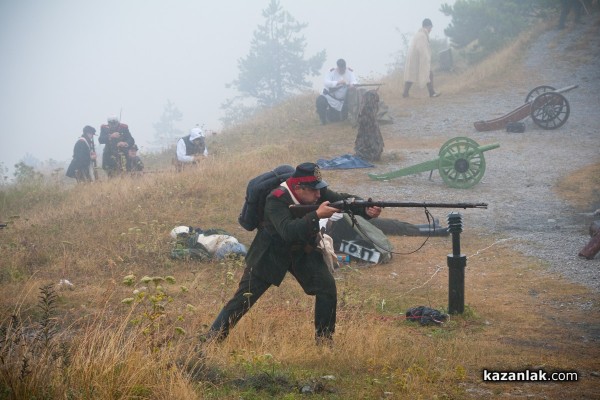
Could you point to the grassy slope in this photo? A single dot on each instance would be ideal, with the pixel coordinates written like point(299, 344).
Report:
point(518, 316)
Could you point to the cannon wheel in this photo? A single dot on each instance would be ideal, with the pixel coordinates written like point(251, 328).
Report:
point(458, 139)
point(535, 92)
point(550, 110)
point(461, 163)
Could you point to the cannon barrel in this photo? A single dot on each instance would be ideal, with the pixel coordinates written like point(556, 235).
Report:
point(546, 106)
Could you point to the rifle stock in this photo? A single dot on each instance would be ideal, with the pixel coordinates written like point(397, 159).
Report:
point(351, 205)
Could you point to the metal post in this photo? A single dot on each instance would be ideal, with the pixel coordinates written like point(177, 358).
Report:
point(456, 266)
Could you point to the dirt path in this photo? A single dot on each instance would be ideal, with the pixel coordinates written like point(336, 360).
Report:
point(520, 175)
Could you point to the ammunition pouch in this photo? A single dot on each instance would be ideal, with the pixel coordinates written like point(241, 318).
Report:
point(305, 248)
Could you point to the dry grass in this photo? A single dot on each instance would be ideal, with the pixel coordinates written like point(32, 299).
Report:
point(582, 188)
point(518, 315)
point(491, 73)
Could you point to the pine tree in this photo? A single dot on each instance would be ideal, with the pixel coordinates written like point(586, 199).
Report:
point(166, 134)
point(275, 68)
point(486, 26)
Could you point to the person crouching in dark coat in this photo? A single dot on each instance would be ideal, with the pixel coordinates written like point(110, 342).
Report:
point(134, 162)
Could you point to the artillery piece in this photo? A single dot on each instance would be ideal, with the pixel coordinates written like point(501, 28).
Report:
point(461, 164)
point(548, 109)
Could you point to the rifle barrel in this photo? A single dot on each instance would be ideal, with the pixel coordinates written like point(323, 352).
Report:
point(302, 209)
point(384, 204)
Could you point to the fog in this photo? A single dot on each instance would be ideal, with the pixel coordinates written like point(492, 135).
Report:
point(70, 63)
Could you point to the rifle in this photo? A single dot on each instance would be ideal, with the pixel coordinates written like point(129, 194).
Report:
point(352, 205)
point(368, 84)
point(94, 164)
point(334, 89)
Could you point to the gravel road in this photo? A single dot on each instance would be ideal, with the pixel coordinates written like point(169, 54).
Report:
point(520, 175)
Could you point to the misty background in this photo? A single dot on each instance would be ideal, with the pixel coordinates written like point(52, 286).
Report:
point(70, 63)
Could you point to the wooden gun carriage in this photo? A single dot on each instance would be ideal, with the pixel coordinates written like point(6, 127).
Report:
point(548, 109)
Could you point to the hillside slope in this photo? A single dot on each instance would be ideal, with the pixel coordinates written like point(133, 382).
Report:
point(522, 176)
point(530, 302)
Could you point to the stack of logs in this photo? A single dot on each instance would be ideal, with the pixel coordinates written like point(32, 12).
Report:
point(590, 250)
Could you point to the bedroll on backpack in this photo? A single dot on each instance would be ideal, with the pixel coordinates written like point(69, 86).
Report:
point(256, 194)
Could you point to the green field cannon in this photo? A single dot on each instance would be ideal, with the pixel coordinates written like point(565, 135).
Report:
point(461, 164)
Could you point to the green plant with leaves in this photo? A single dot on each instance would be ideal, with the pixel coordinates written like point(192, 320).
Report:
point(150, 300)
point(3, 174)
point(26, 174)
point(31, 354)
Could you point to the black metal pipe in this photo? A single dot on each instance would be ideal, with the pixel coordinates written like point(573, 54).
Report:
point(456, 267)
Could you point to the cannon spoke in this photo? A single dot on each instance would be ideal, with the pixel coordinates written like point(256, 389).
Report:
point(535, 92)
point(550, 110)
point(459, 139)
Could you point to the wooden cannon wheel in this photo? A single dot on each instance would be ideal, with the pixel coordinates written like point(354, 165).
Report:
point(535, 92)
point(550, 110)
point(461, 163)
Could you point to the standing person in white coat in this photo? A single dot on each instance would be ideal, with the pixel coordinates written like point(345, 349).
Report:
point(418, 61)
point(331, 105)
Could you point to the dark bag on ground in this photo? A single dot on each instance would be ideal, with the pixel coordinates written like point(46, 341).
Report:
point(186, 246)
point(515, 127)
point(426, 316)
point(256, 194)
point(204, 245)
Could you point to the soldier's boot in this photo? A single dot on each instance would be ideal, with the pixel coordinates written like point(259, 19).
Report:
point(323, 118)
point(434, 229)
point(432, 93)
point(407, 86)
point(322, 107)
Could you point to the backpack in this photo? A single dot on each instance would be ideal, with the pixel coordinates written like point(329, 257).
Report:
point(211, 244)
point(186, 246)
point(256, 194)
point(426, 316)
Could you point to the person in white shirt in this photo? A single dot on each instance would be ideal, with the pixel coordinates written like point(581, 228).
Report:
point(191, 147)
point(331, 105)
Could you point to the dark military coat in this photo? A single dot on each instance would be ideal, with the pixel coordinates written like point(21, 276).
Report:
point(80, 165)
point(134, 164)
point(284, 242)
point(111, 151)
